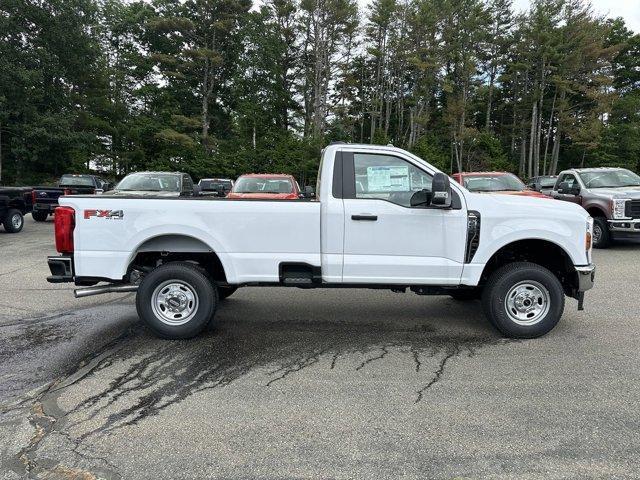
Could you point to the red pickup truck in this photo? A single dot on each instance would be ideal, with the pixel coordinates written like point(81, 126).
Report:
point(266, 186)
point(495, 182)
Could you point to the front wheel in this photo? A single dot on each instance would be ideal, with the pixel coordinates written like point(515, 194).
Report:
point(601, 234)
point(523, 300)
point(176, 300)
point(13, 221)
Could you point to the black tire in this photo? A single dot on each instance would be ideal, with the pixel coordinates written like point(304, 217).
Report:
point(224, 292)
point(466, 294)
point(529, 278)
point(39, 216)
point(602, 240)
point(189, 276)
point(13, 221)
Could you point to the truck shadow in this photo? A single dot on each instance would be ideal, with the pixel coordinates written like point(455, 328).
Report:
point(144, 375)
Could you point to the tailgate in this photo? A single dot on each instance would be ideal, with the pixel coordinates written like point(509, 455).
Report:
point(46, 195)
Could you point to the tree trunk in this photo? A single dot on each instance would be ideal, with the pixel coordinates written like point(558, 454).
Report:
point(546, 143)
point(532, 136)
point(0, 153)
point(487, 121)
point(555, 153)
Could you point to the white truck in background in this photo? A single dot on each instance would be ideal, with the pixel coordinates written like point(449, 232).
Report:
point(382, 218)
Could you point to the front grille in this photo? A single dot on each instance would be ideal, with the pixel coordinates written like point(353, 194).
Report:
point(632, 209)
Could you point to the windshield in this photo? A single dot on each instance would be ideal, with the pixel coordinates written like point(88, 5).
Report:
point(76, 181)
point(263, 185)
point(150, 182)
point(493, 183)
point(548, 182)
point(215, 185)
point(610, 179)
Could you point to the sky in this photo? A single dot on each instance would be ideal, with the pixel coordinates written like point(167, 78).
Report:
point(627, 9)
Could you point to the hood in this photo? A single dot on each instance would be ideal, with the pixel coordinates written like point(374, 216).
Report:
point(140, 193)
point(264, 196)
point(523, 193)
point(618, 192)
point(542, 205)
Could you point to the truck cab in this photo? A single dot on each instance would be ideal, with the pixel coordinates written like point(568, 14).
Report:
point(382, 218)
point(610, 195)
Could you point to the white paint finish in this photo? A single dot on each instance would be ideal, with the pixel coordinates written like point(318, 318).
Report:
point(419, 245)
point(332, 222)
point(251, 238)
point(509, 218)
point(232, 229)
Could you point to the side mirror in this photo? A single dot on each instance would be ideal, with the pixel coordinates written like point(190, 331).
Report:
point(197, 190)
point(441, 191)
point(98, 191)
point(309, 192)
point(421, 198)
point(563, 188)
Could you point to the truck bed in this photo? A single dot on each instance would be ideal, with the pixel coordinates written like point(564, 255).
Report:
point(251, 237)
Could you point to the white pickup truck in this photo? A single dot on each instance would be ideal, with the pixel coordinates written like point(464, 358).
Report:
point(382, 218)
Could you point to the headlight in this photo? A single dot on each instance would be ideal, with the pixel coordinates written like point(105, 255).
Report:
point(618, 207)
point(588, 237)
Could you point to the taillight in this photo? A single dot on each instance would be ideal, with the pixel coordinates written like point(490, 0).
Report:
point(33, 197)
point(64, 222)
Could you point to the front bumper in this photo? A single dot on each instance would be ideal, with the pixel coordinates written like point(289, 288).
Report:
point(586, 275)
point(627, 226)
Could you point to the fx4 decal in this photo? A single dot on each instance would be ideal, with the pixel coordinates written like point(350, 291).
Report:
point(109, 214)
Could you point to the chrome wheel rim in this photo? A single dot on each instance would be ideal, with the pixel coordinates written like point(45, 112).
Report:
point(16, 221)
point(597, 233)
point(527, 302)
point(174, 302)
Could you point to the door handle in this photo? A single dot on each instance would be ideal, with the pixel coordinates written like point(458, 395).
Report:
point(369, 218)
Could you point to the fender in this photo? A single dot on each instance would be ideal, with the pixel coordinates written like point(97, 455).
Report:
point(193, 233)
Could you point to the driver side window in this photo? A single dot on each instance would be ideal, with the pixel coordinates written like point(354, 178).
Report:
point(570, 181)
point(390, 178)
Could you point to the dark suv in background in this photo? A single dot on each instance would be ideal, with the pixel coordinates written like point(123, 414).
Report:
point(610, 195)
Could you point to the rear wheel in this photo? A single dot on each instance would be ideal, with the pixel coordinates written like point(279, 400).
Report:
point(39, 216)
point(176, 300)
point(224, 292)
point(523, 300)
point(601, 234)
point(13, 221)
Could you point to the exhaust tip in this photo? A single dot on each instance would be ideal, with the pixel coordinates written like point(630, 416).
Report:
point(101, 289)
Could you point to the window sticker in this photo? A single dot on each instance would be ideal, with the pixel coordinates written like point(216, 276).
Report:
point(388, 179)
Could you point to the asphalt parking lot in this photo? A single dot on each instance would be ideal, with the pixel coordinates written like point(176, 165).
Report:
point(314, 384)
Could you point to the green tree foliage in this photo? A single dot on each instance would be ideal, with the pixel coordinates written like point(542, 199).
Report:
point(223, 87)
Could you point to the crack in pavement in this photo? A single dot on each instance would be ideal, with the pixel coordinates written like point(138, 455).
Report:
point(373, 359)
point(438, 373)
point(136, 376)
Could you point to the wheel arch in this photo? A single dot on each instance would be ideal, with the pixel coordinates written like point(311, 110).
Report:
point(542, 252)
point(164, 248)
point(595, 211)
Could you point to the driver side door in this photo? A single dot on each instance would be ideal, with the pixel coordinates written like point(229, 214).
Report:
point(387, 241)
point(568, 181)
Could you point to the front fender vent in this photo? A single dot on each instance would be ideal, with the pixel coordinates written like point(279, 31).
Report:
point(473, 235)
